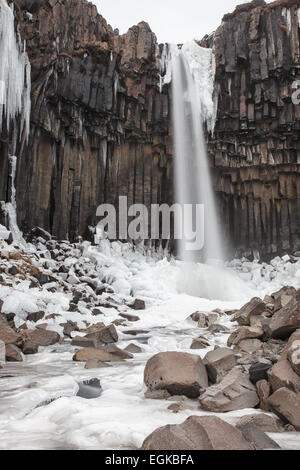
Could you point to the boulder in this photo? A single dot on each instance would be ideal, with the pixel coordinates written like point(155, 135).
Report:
point(286, 404)
point(294, 356)
point(256, 437)
point(35, 316)
point(13, 353)
point(243, 333)
point(249, 346)
point(218, 363)
point(29, 347)
point(44, 337)
point(107, 354)
point(9, 336)
point(138, 304)
point(197, 433)
point(69, 327)
point(178, 373)
point(283, 297)
point(285, 321)
point(281, 375)
point(255, 307)
point(106, 335)
point(264, 422)
point(259, 371)
point(234, 392)
point(133, 349)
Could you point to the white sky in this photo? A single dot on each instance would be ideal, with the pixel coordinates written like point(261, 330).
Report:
point(171, 20)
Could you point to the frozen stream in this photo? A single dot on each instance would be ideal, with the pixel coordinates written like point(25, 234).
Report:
point(121, 417)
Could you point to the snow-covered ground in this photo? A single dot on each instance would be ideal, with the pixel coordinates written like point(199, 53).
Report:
point(121, 417)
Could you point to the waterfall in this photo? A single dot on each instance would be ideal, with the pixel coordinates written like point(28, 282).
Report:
point(193, 103)
point(15, 88)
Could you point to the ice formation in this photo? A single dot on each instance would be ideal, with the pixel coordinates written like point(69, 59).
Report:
point(10, 208)
point(15, 72)
point(202, 64)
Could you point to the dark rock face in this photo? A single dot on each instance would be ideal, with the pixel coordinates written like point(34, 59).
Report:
point(255, 149)
point(99, 126)
point(101, 129)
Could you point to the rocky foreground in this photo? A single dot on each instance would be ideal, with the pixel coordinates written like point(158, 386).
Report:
point(259, 368)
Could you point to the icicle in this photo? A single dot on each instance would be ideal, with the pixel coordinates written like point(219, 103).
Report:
point(286, 13)
point(10, 208)
point(116, 85)
point(14, 73)
point(103, 147)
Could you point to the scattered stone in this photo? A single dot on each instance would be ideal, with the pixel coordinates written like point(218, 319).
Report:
point(283, 376)
point(212, 318)
point(107, 354)
point(44, 337)
point(255, 307)
point(83, 342)
point(157, 395)
point(234, 392)
point(294, 356)
point(138, 304)
point(106, 335)
point(197, 433)
point(286, 404)
point(133, 349)
point(249, 346)
point(132, 318)
point(176, 407)
point(69, 328)
point(89, 389)
point(96, 312)
point(285, 321)
point(136, 332)
point(178, 373)
point(256, 437)
point(243, 333)
point(95, 364)
point(218, 363)
point(13, 353)
point(36, 316)
point(216, 328)
point(264, 422)
point(29, 347)
point(200, 343)
point(263, 389)
point(9, 336)
point(259, 371)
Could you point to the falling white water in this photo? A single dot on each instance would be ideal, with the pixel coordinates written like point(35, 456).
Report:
point(193, 74)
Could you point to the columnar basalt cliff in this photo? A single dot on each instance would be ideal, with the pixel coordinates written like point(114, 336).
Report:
point(100, 127)
point(256, 147)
